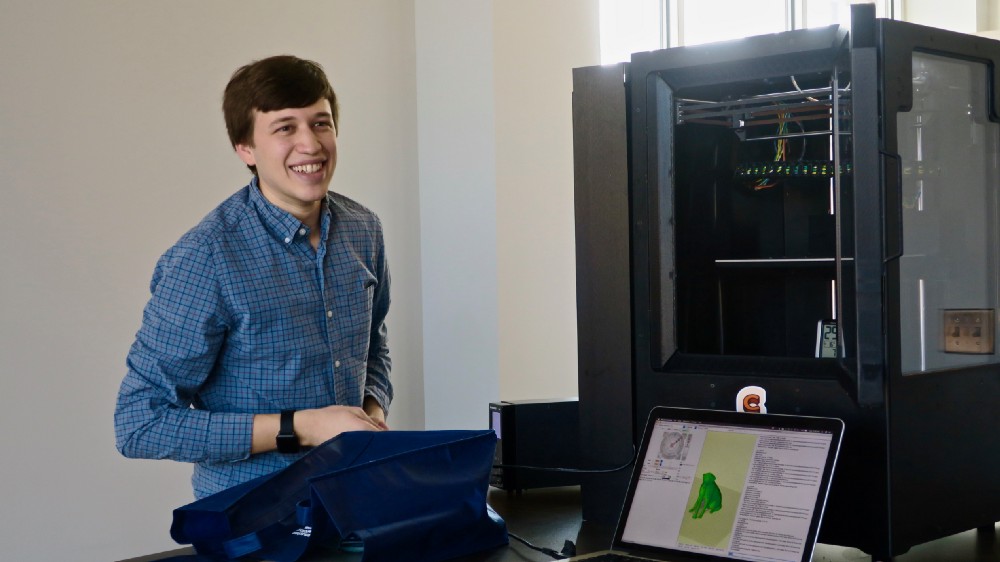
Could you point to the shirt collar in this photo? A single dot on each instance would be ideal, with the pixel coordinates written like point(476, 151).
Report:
point(282, 224)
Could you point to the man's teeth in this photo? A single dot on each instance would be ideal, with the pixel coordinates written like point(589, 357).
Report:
point(307, 168)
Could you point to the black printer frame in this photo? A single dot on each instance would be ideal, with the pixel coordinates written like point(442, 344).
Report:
point(704, 288)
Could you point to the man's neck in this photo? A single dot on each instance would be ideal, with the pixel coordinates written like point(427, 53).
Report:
point(309, 217)
point(308, 214)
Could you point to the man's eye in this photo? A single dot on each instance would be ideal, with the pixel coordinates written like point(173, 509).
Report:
point(284, 129)
point(322, 125)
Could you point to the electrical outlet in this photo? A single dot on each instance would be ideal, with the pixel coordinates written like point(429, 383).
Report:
point(968, 330)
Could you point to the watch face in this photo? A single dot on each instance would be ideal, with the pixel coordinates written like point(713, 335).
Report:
point(288, 443)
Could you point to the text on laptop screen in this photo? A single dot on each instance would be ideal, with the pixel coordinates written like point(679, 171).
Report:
point(746, 493)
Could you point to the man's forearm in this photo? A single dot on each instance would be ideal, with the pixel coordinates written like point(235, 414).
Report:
point(181, 434)
point(265, 433)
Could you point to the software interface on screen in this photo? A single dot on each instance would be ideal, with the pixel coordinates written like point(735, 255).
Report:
point(744, 493)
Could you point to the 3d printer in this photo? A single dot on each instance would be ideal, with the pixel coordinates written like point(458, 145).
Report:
point(812, 213)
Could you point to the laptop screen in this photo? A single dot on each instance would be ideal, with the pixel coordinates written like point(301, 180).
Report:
point(750, 488)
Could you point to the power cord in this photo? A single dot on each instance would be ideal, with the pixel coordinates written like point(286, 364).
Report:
point(574, 470)
point(568, 549)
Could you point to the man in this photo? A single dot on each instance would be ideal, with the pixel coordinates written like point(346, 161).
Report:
point(265, 331)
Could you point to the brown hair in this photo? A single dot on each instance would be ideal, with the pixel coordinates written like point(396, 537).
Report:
point(270, 84)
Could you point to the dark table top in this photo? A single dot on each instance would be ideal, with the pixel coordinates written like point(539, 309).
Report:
point(549, 516)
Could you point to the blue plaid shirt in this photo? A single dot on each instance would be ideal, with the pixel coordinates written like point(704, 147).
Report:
point(246, 317)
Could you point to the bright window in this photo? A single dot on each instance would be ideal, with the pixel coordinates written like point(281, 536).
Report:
point(702, 21)
point(819, 13)
point(629, 26)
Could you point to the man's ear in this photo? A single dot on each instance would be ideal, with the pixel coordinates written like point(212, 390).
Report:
point(245, 152)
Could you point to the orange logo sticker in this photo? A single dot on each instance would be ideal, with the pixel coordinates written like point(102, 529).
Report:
point(752, 399)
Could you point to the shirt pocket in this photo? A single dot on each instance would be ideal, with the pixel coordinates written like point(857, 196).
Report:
point(351, 302)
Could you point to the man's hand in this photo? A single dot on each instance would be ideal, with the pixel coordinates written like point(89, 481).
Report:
point(375, 412)
point(315, 426)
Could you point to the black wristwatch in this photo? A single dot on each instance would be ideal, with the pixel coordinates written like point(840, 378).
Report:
point(288, 441)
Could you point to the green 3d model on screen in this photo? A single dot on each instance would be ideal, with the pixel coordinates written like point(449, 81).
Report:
point(709, 497)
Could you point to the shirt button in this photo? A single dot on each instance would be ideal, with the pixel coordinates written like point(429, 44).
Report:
point(329, 314)
point(302, 232)
point(287, 240)
point(336, 363)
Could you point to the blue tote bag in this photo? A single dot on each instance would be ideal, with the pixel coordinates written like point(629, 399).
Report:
point(434, 504)
point(405, 495)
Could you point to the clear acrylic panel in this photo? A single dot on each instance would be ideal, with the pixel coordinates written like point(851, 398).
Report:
point(948, 270)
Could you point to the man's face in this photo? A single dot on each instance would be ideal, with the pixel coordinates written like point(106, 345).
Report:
point(295, 152)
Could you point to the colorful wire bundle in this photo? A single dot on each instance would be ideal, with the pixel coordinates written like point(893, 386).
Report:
point(780, 151)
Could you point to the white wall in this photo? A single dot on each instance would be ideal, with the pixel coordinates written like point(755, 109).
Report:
point(537, 45)
point(458, 235)
point(455, 128)
point(494, 87)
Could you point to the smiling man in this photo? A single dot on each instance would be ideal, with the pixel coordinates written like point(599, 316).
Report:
point(265, 330)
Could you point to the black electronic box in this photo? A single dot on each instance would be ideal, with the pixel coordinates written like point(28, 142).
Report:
point(535, 433)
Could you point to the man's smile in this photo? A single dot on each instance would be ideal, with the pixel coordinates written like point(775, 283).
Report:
point(307, 168)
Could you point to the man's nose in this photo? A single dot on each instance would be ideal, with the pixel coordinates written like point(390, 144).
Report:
point(308, 141)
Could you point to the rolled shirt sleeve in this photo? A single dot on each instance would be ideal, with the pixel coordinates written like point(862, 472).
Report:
point(183, 329)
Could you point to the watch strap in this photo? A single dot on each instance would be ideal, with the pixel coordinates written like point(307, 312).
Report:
point(287, 440)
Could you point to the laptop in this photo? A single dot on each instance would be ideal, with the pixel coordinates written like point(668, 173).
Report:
point(713, 485)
